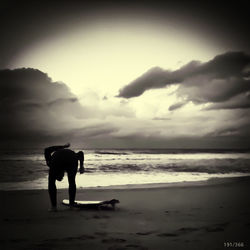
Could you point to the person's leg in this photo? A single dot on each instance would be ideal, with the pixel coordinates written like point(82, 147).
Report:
point(72, 185)
point(52, 189)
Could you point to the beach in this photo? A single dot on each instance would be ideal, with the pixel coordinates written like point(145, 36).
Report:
point(213, 214)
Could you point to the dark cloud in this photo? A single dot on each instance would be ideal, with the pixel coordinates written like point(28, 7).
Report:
point(154, 78)
point(228, 66)
point(177, 106)
point(241, 101)
point(226, 132)
point(217, 80)
point(241, 130)
point(33, 106)
point(29, 84)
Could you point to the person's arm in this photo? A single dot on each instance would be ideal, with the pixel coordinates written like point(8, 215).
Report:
point(80, 156)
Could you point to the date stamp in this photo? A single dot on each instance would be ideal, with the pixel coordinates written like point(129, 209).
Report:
point(234, 244)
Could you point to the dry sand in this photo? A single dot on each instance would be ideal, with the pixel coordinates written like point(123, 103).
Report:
point(192, 217)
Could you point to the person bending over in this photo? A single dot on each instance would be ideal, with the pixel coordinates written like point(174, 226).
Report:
point(60, 159)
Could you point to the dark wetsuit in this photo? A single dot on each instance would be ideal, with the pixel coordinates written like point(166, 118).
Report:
point(62, 160)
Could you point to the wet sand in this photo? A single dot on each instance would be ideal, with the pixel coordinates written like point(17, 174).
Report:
point(214, 215)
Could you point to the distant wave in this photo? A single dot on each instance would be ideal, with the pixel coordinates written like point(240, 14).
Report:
point(189, 151)
point(110, 153)
point(169, 151)
point(218, 167)
point(121, 168)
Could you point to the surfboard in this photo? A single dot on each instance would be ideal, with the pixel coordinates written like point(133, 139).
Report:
point(93, 204)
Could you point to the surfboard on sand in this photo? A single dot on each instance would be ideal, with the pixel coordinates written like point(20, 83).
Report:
point(93, 204)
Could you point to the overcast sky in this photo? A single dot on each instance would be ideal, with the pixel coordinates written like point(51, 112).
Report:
point(120, 74)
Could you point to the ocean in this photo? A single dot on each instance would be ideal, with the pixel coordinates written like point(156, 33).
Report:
point(26, 169)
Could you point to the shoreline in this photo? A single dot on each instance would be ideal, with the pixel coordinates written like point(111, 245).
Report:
point(210, 181)
point(184, 184)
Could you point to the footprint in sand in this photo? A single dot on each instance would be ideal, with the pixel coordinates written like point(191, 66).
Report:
point(188, 229)
point(127, 247)
point(101, 217)
point(214, 229)
point(101, 233)
point(167, 235)
point(217, 227)
point(117, 248)
point(86, 237)
point(113, 240)
point(183, 230)
point(134, 246)
point(172, 211)
point(145, 233)
point(81, 237)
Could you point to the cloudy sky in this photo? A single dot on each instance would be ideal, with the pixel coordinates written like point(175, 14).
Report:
point(119, 74)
